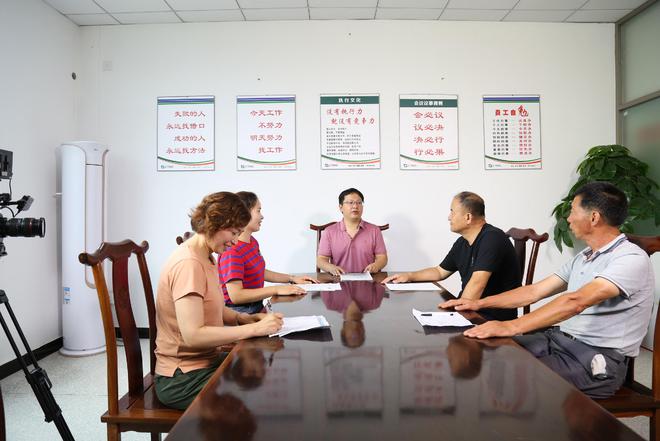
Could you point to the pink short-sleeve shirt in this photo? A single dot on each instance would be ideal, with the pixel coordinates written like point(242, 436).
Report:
point(352, 254)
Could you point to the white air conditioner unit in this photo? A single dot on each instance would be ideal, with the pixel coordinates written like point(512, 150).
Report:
point(82, 230)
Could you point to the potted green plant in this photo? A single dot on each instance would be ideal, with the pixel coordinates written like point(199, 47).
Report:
point(614, 164)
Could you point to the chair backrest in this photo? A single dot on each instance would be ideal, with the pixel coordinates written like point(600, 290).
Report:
point(520, 237)
point(319, 229)
point(181, 239)
point(119, 254)
point(650, 245)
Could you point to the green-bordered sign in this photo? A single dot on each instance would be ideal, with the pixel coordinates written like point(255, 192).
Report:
point(512, 132)
point(428, 132)
point(266, 132)
point(350, 132)
point(185, 133)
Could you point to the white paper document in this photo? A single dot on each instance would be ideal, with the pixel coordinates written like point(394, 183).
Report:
point(356, 276)
point(440, 318)
point(416, 286)
point(310, 287)
point(301, 323)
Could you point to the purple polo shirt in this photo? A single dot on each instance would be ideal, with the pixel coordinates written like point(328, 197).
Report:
point(353, 255)
point(367, 296)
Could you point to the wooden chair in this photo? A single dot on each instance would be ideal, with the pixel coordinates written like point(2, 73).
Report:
point(633, 398)
point(181, 239)
point(319, 229)
point(520, 237)
point(139, 410)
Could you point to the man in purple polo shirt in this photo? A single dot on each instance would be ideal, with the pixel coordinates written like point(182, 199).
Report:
point(351, 245)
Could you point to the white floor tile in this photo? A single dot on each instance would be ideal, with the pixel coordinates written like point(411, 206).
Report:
point(79, 388)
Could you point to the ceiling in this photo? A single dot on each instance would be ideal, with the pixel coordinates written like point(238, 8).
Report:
point(125, 12)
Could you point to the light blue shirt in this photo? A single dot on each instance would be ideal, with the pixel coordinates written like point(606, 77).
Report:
point(619, 322)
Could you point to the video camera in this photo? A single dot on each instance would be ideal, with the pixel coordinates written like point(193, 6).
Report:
point(35, 375)
point(16, 227)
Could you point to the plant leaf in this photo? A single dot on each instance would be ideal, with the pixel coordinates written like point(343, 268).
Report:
point(614, 164)
point(558, 242)
point(562, 225)
point(555, 211)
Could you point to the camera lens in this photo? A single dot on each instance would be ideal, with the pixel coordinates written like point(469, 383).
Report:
point(25, 227)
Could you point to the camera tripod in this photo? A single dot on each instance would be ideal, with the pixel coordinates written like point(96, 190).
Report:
point(37, 377)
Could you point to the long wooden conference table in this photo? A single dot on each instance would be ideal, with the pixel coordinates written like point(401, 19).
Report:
point(377, 374)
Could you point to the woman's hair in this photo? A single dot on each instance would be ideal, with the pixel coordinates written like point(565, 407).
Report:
point(219, 211)
point(248, 198)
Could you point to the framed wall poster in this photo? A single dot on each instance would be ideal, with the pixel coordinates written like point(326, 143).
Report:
point(350, 132)
point(428, 132)
point(185, 133)
point(512, 132)
point(266, 132)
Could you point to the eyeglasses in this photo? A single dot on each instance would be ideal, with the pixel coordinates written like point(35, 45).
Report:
point(356, 203)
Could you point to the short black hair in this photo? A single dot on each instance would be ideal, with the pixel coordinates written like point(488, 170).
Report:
point(248, 198)
point(348, 191)
point(472, 202)
point(606, 199)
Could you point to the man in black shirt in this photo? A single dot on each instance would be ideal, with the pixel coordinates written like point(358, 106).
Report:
point(483, 256)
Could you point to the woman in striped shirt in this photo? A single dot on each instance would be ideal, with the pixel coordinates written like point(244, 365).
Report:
point(243, 270)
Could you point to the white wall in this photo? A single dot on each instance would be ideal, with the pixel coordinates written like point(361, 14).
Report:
point(570, 65)
point(39, 50)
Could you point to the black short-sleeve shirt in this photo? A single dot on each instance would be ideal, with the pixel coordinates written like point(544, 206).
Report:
point(491, 251)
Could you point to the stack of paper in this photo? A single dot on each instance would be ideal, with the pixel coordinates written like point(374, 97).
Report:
point(415, 286)
point(309, 287)
point(440, 318)
point(355, 276)
point(301, 323)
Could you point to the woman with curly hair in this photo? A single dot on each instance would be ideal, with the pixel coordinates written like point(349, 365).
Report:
point(191, 318)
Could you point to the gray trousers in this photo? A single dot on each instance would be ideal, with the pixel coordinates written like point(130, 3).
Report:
point(571, 359)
